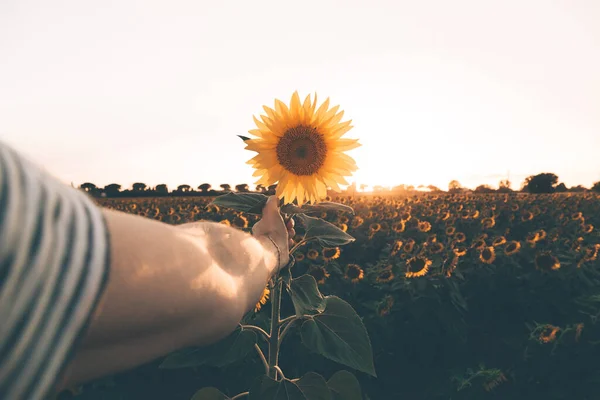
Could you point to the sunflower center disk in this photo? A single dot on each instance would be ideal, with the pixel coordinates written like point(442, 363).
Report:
point(301, 150)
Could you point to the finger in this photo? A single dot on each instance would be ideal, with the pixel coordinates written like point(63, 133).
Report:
point(291, 232)
point(291, 243)
point(290, 224)
point(271, 209)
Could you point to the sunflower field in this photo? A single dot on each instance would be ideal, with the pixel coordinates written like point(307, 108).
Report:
point(464, 296)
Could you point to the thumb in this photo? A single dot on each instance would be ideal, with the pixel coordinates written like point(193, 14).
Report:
point(271, 209)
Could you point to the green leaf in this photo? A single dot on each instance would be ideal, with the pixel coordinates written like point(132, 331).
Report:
point(251, 203)
point(305, 295)
point(244, 138)
point(227, 351)
point(339, 334)
point(314, 387)
point(209, 393)
point(328, 235)
point(314, 208)
point(344, 386)
point(265, 388)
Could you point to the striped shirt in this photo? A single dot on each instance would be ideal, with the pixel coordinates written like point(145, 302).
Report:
point(54, 256)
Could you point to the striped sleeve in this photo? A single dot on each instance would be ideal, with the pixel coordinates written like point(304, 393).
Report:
point(54, 262)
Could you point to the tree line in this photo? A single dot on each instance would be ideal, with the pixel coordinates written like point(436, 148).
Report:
point(541, 183)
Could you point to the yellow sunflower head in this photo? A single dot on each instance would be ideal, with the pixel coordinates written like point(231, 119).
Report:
point(301, 148)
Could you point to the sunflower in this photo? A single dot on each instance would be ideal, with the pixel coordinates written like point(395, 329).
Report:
point(301, 148)
point(263, 299)
point(417, 266)
point(546, 262)
point(488, 222)
point(487, 255)
point(460, 251)
point(424, 226)
point(450, 230)
point(479, 244)
point(240, 221)
point(225, 222)
point(385, 306)
point(375, 227)
point(460, 237)
point(526, 216)
point(385, 275)
point(499, 241)
point(436, 247)
point(319, 273)
point(299, 256)
point(512, 247)
point(331, 253)
point(405, 217)
point(312, 254)
point(398, 226)
point(396, 247)
point(548, 334)
point(354, 273)
point(587, 228)
point(357, 221)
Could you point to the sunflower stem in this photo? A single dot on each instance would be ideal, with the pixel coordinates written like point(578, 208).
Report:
point(262, 358)
point(256, 329)
point(274, 334)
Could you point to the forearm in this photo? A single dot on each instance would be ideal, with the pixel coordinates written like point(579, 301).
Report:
point(170, 287)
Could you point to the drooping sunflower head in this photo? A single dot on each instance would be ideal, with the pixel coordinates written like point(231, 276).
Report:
point(546, 262)
point(301, 148)
point(263, 299)
point(319, 273)
point(354, 273)
point(512, 247)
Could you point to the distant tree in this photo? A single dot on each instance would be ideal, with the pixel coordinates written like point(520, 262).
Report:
point(484, 189)
point(378, 188)
point(162, 189)
point(184, 188)
point(88, 187)
point(561, 188)
point(205, 187)
point(541, 183)
point(578, 188)
point(596, 187)
point(399, 188)
point(139, 187)
point(454, 186)
point(112, 189)
point(434, 188)
point(363, 186)
point(226, 187)
point(242, 187)
point(504, 186)
point(410, 188)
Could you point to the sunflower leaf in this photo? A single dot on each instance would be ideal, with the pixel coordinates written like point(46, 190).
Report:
point(227, 351)
point(327, 234)
point(316, 208)
point(339, 334)
point(344, 386)
point(311, 386)
point(209, 393)
point(244, 138)
point(306, 296)
point(251, 203)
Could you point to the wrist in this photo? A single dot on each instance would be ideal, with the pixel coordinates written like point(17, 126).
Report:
point(272, 253)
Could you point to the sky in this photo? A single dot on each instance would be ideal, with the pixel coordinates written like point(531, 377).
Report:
point(156, 91)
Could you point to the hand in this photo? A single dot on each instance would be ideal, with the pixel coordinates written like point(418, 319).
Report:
point(272, 226)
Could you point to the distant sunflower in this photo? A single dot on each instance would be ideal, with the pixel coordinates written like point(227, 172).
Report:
point(240, 221)
point(330, 254)
point(354, 273)
point(398, 226)
point(301, 149)
point(450, 230)
point(385, 306)
point(512, 247)
point(299, 256)
point(263, 299)
point(479, 244)
point(548, 334)
point(343, 227)
point(225, 222)
point(312, 254)
point(587, 228)
point(499, 241)
point(357, 221)
point(436, 247)
point(460, 251)
point(546, 262)
point(460, 237)
point(319, 273)
point(375, 227)
point(385, 275)
point(424, 226)
point(488, 222)
point(487, 255)
point(417, 266)
point(526, 216)
point(396, 247)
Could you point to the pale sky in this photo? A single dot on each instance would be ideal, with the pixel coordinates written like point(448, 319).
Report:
point(156, 91)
